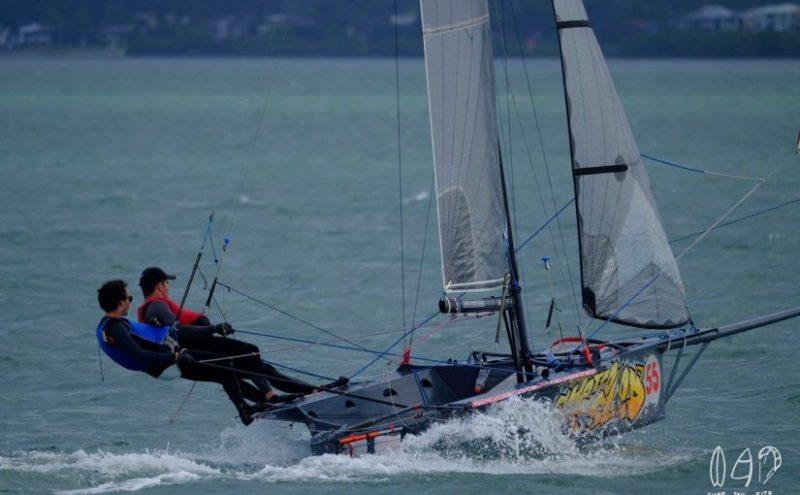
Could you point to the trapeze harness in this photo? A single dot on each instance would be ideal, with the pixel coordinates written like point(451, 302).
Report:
point(187, 316)
point(156, 335)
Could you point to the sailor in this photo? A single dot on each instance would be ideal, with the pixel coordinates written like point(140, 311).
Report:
point(159, 309)
point(151, 349)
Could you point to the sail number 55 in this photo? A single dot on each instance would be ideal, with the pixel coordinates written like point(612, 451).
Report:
point(652, 378)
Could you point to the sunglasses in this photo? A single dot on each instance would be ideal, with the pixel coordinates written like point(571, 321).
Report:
point(129, 298)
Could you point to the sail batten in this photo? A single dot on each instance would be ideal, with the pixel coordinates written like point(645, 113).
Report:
point(466, 155)
point(622, 242)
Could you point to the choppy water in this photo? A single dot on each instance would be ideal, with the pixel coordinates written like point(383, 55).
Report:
point(109, 166)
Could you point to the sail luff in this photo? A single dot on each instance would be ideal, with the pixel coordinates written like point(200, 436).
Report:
point(473, 234)
point(622, 243)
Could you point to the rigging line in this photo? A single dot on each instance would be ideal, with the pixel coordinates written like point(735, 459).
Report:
point(318, 387)
point(431, 194)
point(509, 97)
point(267, 98)
point(335, 346)
point(702, 236)
point(502, 44)
point(364, 368)
point(224, 358)
point(541, 196)
point(399, 160)
point(249, 161)
point(289, 315)
point(700, 171)
point(210, 238)
point(283, 366)
point(560, 210)
point(565, 257)
point(737, 220)
point(225, 242)
point(270, 377)
point(366, 336)
point(248, 166)
point(183, 403)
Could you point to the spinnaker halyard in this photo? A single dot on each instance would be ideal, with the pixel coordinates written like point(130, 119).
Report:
point(628, 271)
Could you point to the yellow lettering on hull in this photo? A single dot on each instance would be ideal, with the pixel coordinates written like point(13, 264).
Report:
point(616, 393)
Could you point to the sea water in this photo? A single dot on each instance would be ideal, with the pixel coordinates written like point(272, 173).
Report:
point(109, 166)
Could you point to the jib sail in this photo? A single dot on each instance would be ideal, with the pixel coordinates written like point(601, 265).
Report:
point(622, 242)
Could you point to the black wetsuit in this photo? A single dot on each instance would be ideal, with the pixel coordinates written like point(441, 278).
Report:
point(158, 313)
point(159, 357)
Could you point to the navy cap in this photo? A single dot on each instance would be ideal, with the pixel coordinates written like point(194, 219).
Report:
point(151, 277)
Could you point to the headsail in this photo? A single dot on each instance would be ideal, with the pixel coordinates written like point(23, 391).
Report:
point(466, 155)
point(622, 241)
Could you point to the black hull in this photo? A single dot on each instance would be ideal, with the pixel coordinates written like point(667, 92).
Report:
point(623, 389)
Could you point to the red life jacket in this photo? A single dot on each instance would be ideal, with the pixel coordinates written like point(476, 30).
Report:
point(187, 316)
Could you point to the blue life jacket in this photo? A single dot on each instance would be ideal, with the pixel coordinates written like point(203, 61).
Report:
point(157, 335)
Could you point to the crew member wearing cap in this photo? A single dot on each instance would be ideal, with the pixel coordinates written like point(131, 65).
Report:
point(152, 350)
point(157, 307)
point(160, 310)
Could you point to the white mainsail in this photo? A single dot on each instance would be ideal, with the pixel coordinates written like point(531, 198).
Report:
point(471, 210)
point(622, 242)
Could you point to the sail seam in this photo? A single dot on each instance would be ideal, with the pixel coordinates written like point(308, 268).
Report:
point(456, 26)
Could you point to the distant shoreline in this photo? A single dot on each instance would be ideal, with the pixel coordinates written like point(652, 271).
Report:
point(101, 53)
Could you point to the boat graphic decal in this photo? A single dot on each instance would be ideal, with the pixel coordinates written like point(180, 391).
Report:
point(619, 393)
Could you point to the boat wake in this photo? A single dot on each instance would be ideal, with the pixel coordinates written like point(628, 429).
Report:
point(514, 438)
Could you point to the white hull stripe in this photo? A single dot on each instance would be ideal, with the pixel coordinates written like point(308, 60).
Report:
point(532, 388)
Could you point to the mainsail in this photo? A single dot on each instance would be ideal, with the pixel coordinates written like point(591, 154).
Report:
point(622, 242)
point(466, 155)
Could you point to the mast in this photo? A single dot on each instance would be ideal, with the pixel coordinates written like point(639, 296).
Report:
point(475, 238)
point(518, 312)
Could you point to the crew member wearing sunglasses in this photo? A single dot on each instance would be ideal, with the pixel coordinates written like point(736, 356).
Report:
point(150, 349)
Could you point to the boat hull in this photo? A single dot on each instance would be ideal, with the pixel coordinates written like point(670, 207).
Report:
point(618, 395)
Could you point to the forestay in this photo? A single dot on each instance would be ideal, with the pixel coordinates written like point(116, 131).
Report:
point(622, 242)
point(472, 222)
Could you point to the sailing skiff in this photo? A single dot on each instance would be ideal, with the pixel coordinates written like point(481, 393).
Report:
point(629, 274)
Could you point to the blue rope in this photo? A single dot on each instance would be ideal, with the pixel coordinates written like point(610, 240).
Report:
point(209, 236)
point(545, 224)
point(400, 339)
point(671, 164)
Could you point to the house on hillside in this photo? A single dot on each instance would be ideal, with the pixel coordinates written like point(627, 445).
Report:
point(712, 18)
point(34, 34)
point(778, 18)
point(5, 37)
point(117, 35)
